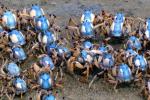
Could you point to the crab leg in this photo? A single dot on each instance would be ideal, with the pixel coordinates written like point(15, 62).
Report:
point(94, 78)
point(98, 25)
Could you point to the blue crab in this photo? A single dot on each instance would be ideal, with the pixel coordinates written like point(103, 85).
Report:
point(36, 11)
point(140, 62)
point(42, 23)
point(16, 38)
point(18, 54)
point(45, 95)
point(9, 19)
point(117, 25)
point(87, 16)
point(13, 69)
point(121, 73)
point(133, 43)
point(49, 97)
point(105, 62)
point(45, 61)
point(86, 28)
point(45, 80)
point(20, 85)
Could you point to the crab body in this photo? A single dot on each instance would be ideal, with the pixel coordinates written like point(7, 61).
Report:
point(124, 73)
point(133, 43)
point(87, 29)
point(117, 25)
point(140, 62)
point(47, 37)
point(46, 61)
point(86, 57)
point(107, 61)
point(130, 52)
point(36, 11)
point(20, 85)
point(13, 69)
point(16, 38)
point(51, 47)
point(49, 97)
point(87, 44)
point(9, 19)
point(18, 53)
point(42, 23)
point(45, 80)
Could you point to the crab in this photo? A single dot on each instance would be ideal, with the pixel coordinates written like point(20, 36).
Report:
point(9, 19)
point(20, 85)
point(45, 80)
point(105, 62)
point(42, 23)
point(16, 38)
point(17, 54)
point(119, 27)
point(45, 95)
point(45, 60)
point(36, 11)
point(86, 28)
point(145, 33)
point(120, 74)
point(133, 43)
point(82, 60)
point(140, 63)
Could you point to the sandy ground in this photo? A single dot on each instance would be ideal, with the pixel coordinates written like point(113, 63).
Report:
point(64, 9)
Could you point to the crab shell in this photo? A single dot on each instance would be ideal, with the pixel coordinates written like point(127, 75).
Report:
point(19, 53)
point(86, 56)
point(130, 52)
point(49, 97)
point(87, 16)
point(20, 85)
point(47, 37)
point(124, 73)
point(17, 37)
point(13, 69)
point(42, 23)
point(9, 20)
point(133, 42)
point(46, 61)
point(87, 44)
point(45, 80)
point(140, 62)
point(87, 29)
point(50, 47)
point(117, 25)
point(107, 61)
point(36, 11)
